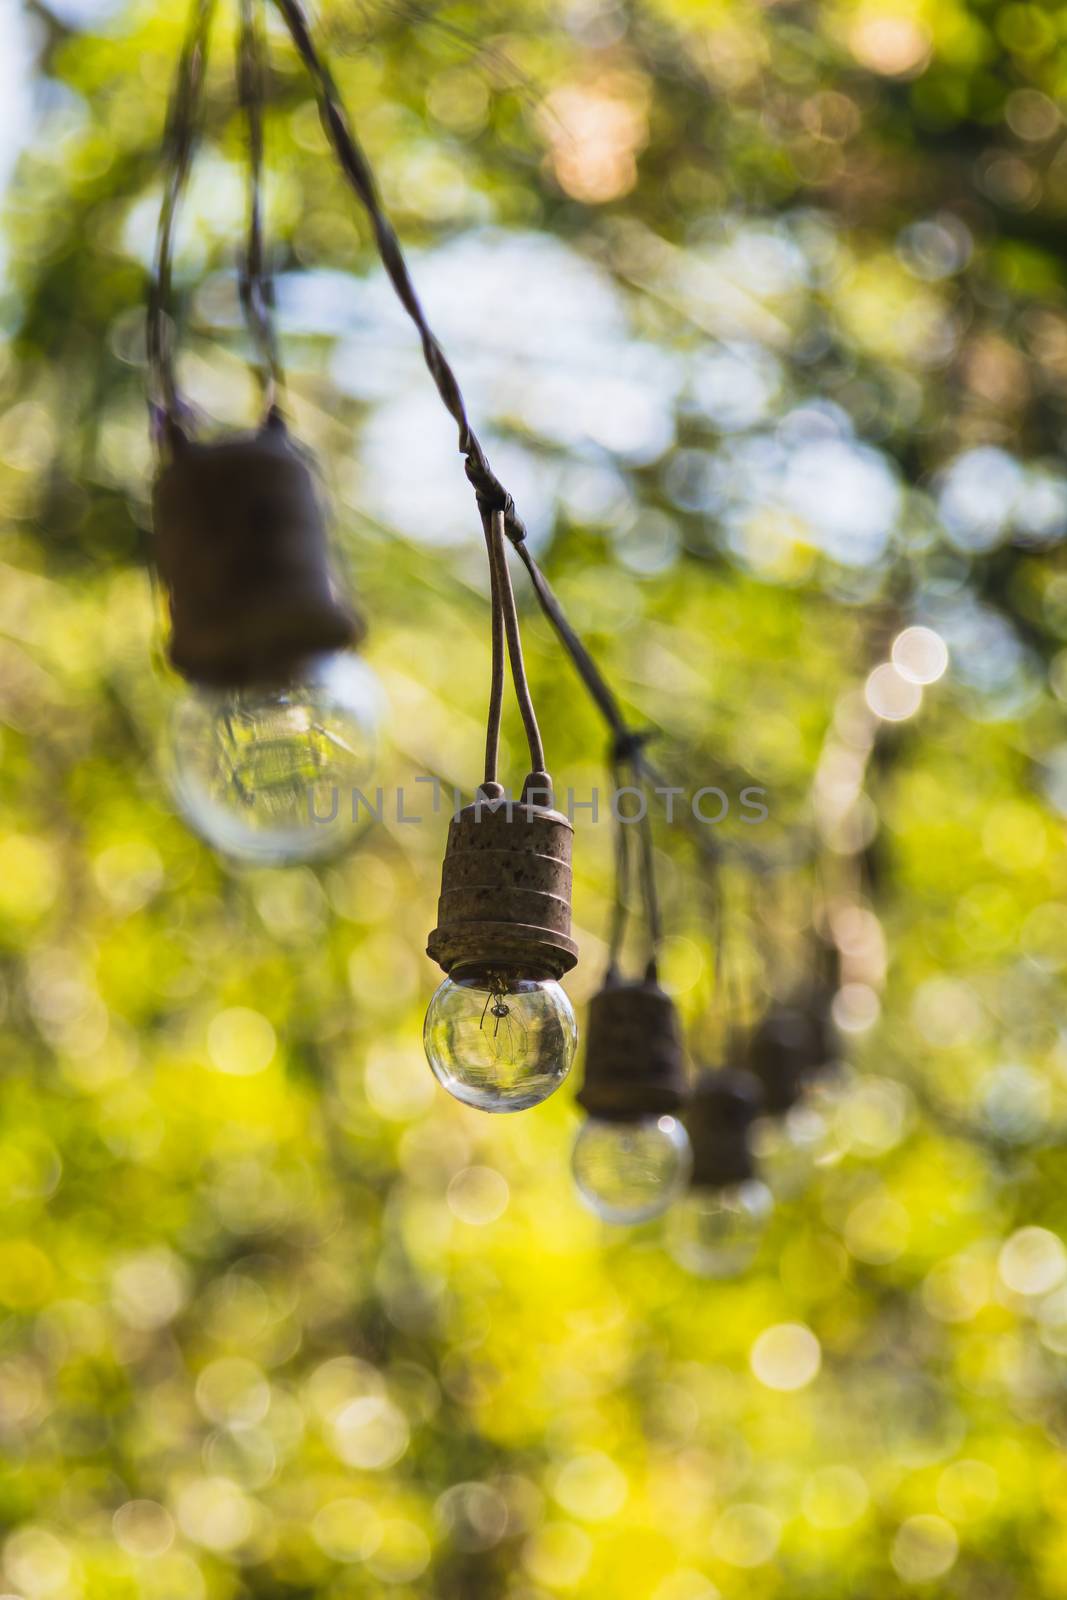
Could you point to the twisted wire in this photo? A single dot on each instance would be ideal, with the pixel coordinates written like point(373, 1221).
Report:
point(721, 969)
point(628, 748)
point(505, 600)
point(492, 496)
point(593, 679)
point(649, 891)
point(499, 516)
point(620, 911)
point(496, 680)
point(179, 144)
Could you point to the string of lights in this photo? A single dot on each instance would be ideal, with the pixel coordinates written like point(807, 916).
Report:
point(279, 710)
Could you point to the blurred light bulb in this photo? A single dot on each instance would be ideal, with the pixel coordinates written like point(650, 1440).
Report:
point(499, 1039)
point(789, 1147)
point(716, 1233)
point(630, 1172)
point(268, 773)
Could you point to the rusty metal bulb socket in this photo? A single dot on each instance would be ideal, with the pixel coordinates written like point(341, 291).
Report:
point(242, 550)
point(506, 887)
point(721, 1110)
point(789, 1047)
point(634, 1057)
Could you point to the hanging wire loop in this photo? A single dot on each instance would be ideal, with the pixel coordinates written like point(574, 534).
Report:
point(179, 144)
point(499, 517)
point(505, 599)
point(496, 682)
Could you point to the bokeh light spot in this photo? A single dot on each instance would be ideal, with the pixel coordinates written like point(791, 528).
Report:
point(478, 1195)
point(149, 1289)
point(403, 1553)
point(38, 1562)
point(1032, 1261)
point(890, 695)
point(215, 1513)
point(558, 1555)
point(920, 655)
point(233, 1392)
point(347, 1529)
point(686, 1584)
point(143, 1528)
point(475, 1514)
point(835, 1497)
point(786, 1357)
point(591, 1487)
point(856, 1007)
point(370, 1433)
point(892, 43)
point(925, 1547)
point(746, 1536)
point(240, 1041)
point(968, 1490)
point(877, 1229)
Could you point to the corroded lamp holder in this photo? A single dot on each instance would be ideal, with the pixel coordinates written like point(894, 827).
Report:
point(506, 885)
point(634, 1057)
point(721, 1110)
point(241, 547)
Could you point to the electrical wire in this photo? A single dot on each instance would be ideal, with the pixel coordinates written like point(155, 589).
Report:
point(179, 144)
point(255, 278)
point(620, 911)
point(496, 680)
point(500, 519)
point(510, 616)
point(492, 496)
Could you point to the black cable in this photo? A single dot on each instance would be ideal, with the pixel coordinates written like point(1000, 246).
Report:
point(496, 680)
point(620, 911)
point(510, 617)
point(179, 143)
point(492, 496)
point(255, 279)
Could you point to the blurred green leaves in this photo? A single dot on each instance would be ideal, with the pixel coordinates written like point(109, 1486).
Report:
point(275, 1320)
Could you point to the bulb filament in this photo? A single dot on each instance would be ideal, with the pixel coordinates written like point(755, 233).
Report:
point(495, 1004)
point(513, 1037)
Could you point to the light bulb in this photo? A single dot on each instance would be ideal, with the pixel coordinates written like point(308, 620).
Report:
point(269, 774)
point(500, 1039)
point(788, 1148)
point(716, 1233)
point(629, 1172)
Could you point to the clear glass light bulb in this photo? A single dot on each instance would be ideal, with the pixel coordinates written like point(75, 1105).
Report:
point(716, 1233)
point(269, 774)
point(499, 1039)
point(788, 1148)
point(630, 1172)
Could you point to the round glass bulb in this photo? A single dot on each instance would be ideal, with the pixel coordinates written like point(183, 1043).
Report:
point(628, 1172)
point(788, 1148)
point(716, 1233)
point(268, 774)
point(499, 1039)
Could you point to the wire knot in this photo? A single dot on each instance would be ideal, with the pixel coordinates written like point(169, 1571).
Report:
point(493, 497)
